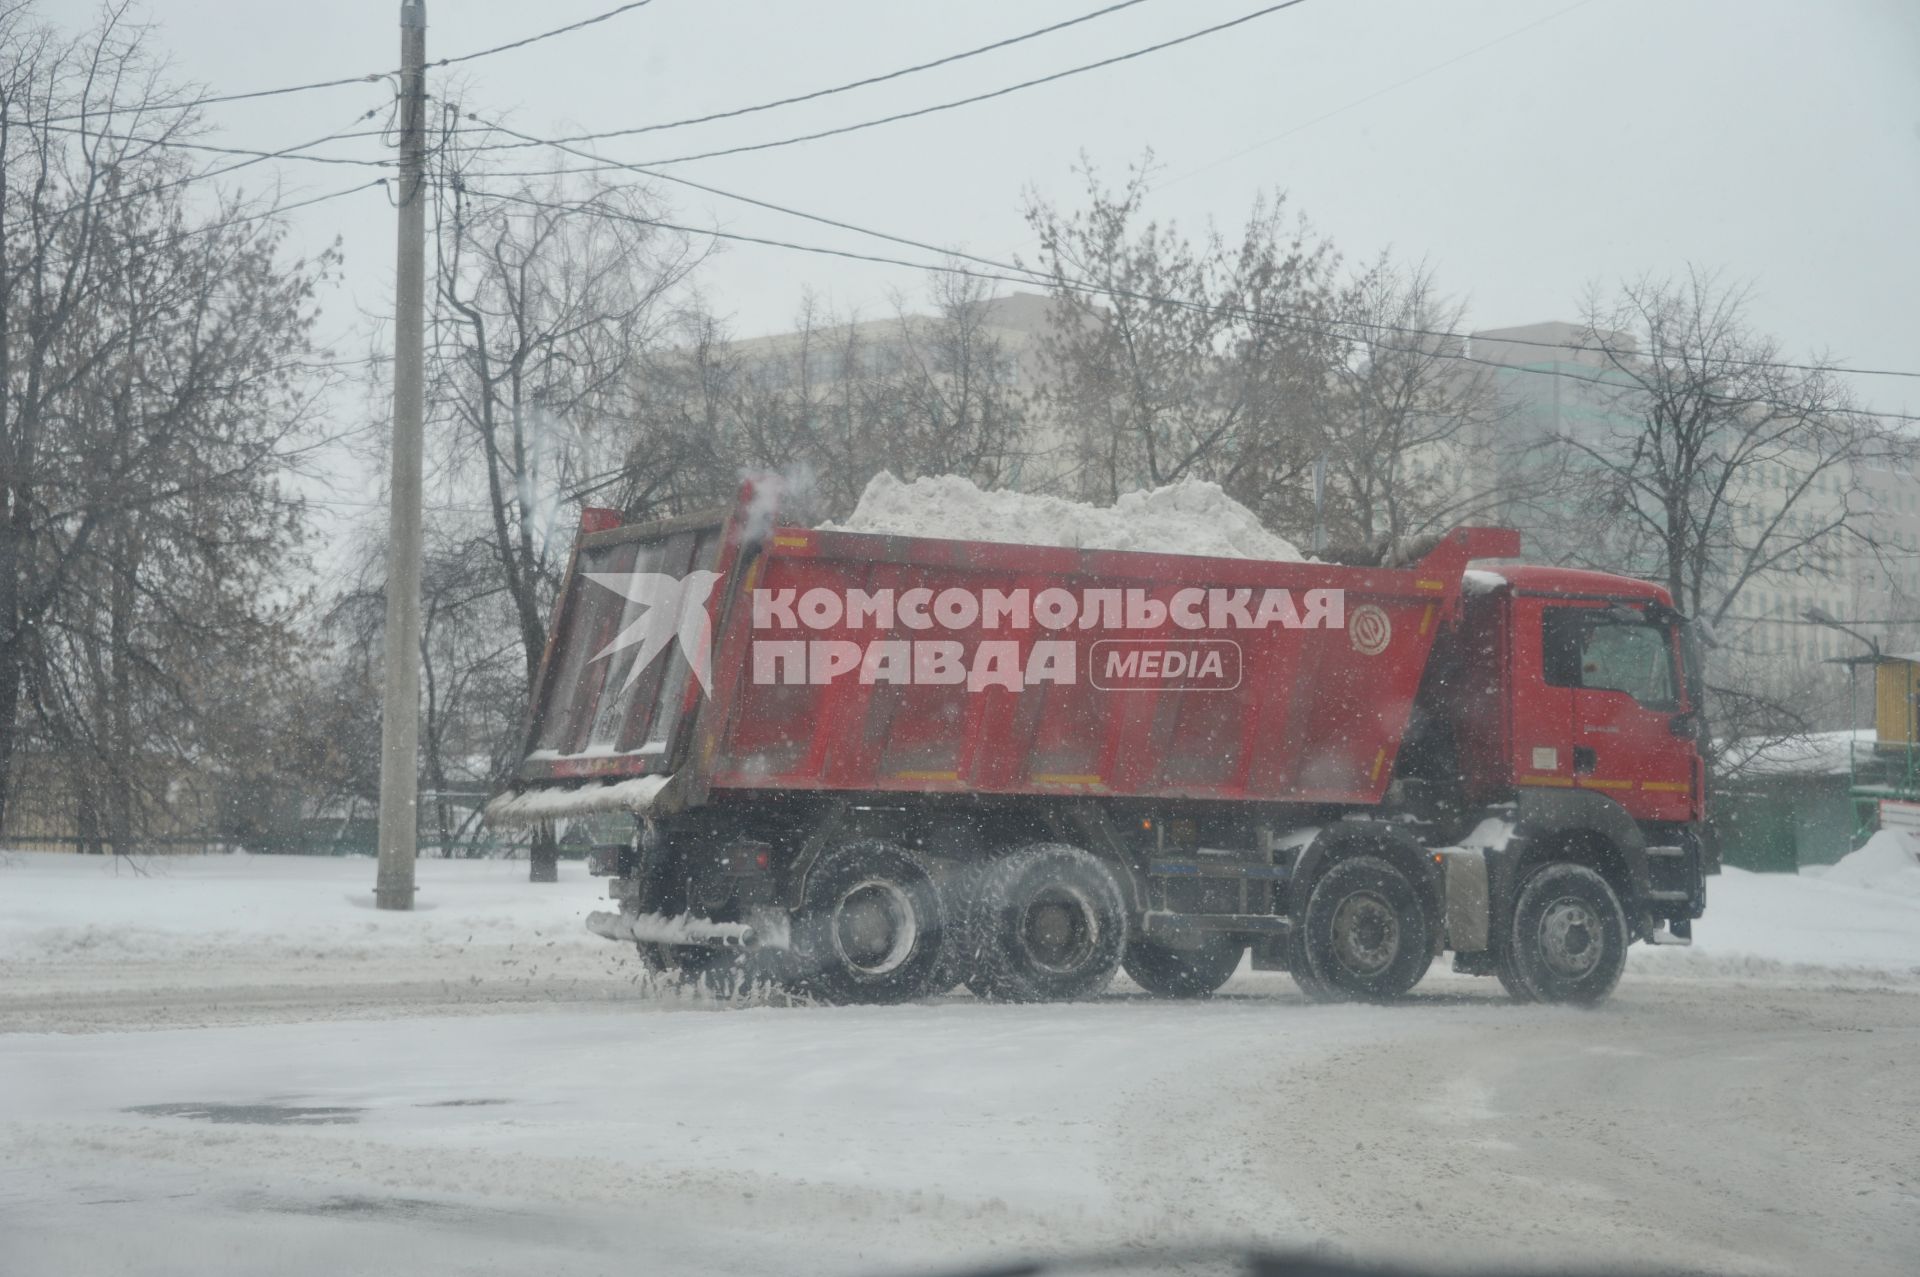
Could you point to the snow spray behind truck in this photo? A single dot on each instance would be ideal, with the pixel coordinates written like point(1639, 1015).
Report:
point(880, 766)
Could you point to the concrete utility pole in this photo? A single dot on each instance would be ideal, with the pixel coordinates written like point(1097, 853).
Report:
point(400, 707)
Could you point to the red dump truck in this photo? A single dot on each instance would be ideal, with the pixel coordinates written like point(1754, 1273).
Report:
point(882, 766)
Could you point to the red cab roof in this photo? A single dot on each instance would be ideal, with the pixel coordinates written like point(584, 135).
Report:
point(1533, 578)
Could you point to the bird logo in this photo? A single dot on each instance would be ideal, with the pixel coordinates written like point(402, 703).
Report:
point(669, 608)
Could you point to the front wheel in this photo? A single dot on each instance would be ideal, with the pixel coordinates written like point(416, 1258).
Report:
point(1569, 938)
point(1167, 972)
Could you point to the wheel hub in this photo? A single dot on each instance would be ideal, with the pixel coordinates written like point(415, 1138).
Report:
point(1366, 934)
point(874, 927)
point(1570, 937)
point(1058, 929)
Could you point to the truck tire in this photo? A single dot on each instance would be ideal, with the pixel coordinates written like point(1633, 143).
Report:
point(1182, 973)
point(1048, 924)
point(1316, 989)
point(1509, 975)
point(1366, 932)
point(1569, 937)
point(872, 927)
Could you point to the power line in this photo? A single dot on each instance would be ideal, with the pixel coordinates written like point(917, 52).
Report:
point(189, 178)
point(371, 77)
point(1038, 276)
point(215, 99)
point(278, 209)
point(544, 35)
point(174, 144)
point(838, 88)
point(980, 97)
point(1082, 287)
point(1041, 277)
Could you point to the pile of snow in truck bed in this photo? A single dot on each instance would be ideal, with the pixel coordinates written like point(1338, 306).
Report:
point(1189, 517)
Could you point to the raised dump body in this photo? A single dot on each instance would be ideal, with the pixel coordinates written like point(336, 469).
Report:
point(1028, 764)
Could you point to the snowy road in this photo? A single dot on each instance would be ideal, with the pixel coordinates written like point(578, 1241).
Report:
point(510, 1101)
point(1720, 1128)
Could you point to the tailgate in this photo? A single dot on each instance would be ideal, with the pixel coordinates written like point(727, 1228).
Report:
point(617, 695)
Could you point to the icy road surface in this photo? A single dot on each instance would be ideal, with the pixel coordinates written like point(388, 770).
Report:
point(438, 1094)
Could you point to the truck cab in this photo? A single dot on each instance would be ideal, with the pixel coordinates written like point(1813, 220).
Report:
point(1572, 700)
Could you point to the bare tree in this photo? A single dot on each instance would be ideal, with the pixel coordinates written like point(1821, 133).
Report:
point(1172, 359)
point(546, 303)
point(154, 389)
point(549, 302)
point(1405, 424)
point(1726, 470)
point(836, 400)
point(950, 384)
point(1721, 460)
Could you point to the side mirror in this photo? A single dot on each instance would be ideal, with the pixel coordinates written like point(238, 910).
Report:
point(1685, 726)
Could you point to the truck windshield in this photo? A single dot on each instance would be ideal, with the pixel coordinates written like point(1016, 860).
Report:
point(1588, 648)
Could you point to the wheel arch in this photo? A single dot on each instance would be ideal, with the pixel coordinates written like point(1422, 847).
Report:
point(1579, 826)
point(1347, 838)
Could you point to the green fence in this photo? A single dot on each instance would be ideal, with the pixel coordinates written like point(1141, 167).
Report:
point(1779, 823)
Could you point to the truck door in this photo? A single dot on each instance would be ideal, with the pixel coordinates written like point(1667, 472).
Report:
point(1632, 737)
point(1541, 729)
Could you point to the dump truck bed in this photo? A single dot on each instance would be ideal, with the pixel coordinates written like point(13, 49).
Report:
point(740, 657)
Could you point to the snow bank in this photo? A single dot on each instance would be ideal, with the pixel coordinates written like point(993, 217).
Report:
point(1189, 517)
point(61, 908)
point(1862, 916)
point(1790, 927)
point(1889, 862)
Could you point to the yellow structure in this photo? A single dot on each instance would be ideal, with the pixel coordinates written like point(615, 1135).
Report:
point(1888, 767)
point(1896, 701)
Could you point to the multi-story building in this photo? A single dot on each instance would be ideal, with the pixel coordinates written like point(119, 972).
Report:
point(1868, 577)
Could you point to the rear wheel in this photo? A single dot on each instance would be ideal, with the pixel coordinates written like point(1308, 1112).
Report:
point(1167, 972)
point(1366, 933)
point(1569, 938)
point(872, 926)
point(1049, 924)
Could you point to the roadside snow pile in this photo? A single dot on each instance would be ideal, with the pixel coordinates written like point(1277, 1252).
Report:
point(1789, 927)
point(1889, 862)
point(58, 907)
point(1189, 517)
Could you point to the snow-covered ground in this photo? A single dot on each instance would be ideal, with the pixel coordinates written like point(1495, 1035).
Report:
point(1859, 918)
point(56, 908)
point(480, 1086)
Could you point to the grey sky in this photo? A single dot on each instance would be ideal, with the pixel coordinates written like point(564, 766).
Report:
point(1780, 141)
